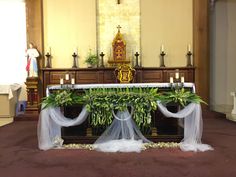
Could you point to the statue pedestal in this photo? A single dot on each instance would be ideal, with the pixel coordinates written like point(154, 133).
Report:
point(32, 107)
point(234, 109)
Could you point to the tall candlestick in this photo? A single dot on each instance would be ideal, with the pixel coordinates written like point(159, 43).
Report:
point(102, 61)
point(136, 56)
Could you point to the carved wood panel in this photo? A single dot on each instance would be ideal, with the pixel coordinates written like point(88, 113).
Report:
point(106, 75)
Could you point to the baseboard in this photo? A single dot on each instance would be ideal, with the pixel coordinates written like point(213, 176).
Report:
point(5, 121)
point(223, 108)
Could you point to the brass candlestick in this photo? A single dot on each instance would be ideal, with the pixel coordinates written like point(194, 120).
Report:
point(189, 55)
point(162, 54)
point(74, 60)
point(136, 59)
point(48, 64)
point(102, 61)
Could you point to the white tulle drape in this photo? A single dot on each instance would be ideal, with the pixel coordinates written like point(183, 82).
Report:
point(49, 126)
point(192, 126)
point(122, 135)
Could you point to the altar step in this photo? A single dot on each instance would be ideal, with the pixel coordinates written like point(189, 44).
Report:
point(92, 139)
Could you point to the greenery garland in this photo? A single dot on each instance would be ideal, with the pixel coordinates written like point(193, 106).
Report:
point(100, 102)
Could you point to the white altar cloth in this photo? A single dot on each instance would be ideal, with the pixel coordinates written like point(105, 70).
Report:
point(130, 85)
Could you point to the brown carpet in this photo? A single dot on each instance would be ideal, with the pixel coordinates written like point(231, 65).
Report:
point(20, 157)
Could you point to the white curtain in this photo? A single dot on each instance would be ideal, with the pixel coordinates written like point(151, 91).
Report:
point(12, 41)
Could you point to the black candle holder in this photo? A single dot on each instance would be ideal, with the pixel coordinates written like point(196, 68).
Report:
point(136, 59)
point(162, 54)
point(176, 85)
point(48, 64)
point(189, 55)
point(102, 61)
point(74, 60)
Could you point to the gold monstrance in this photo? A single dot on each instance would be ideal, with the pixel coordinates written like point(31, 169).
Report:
point(119, 50)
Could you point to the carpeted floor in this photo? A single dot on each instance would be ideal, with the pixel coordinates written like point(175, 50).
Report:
point(20, 157)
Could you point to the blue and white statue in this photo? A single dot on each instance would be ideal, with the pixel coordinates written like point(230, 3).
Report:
point(32, 67)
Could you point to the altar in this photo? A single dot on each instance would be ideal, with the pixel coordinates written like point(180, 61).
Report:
point(123, 132)
point(162, 129)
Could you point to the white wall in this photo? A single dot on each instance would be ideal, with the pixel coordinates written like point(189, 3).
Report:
point(68, 25)
point(167, 22)
point(223, 54)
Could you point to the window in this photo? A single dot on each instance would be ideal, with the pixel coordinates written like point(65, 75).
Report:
point(12, 41)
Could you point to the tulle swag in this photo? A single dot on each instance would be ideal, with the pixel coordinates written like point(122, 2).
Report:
point(122, 135)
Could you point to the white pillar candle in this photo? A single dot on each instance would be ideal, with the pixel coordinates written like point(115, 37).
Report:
point(67, 77)
point(73, 81)
point(76, 50)
point(171, 80)
point(61, 81)
point(162, 48)
point(49, 50)
point(189, 48)
point(182, 79)
point(177, 75)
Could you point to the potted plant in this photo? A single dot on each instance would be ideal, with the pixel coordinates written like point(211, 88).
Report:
point(91, 59)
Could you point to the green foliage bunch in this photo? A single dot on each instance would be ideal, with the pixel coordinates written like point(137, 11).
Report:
point(181, 97)
point(101, 103)
point(64, 97)
point(91, 59)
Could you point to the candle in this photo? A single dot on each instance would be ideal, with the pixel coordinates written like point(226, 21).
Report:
point(182, 79)
point(67, 77)
point(110, 53)
point(73, 81)
point(61, 81)
point(76, 50)
point(171, 80)
point(49, 50)
point(162, 48)
point(177, 75)
point(189, 48)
